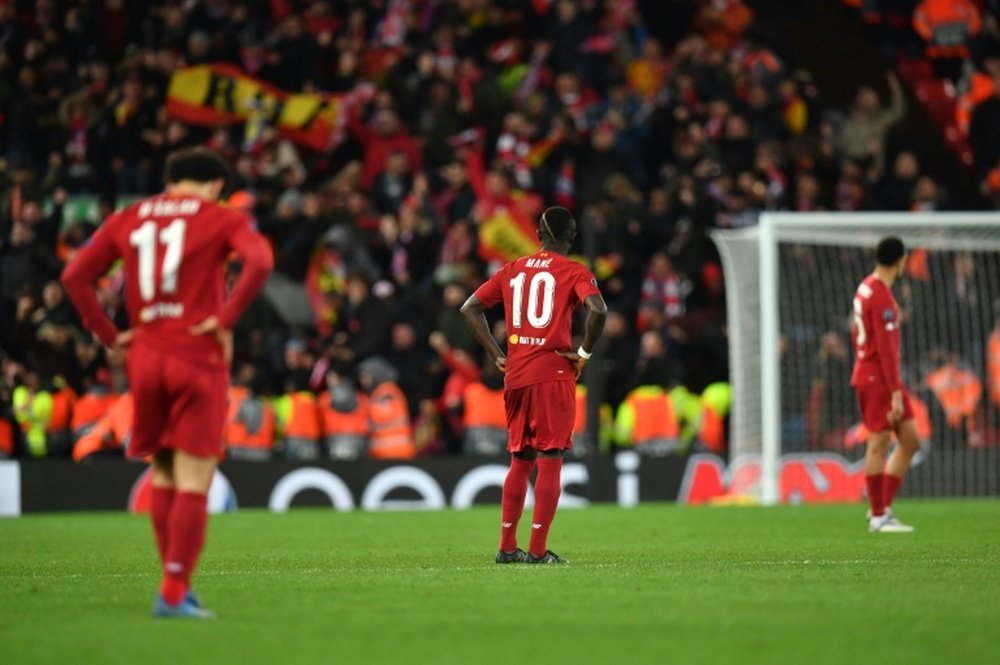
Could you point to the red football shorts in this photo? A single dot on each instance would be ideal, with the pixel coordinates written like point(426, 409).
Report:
point(540, 416)
point(180, 403)
point(875, 400)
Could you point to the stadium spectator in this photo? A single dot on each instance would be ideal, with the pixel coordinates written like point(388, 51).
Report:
point(450, 115)
point(863, 136)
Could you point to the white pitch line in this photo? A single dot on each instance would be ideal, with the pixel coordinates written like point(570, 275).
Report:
point(485, 567)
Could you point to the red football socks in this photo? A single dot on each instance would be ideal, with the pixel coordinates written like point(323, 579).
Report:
point(876, 493)
point(515, 488)
point(890, 486)
point(547, 490)
point(186, 538)
point(161, 504)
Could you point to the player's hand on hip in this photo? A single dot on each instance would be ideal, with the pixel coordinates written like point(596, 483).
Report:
point(578, 361)
point(895, 414)
point(122, 340)
point(501, 363)
point(214, 328)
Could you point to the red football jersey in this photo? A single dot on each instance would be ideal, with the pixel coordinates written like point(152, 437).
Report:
point(876, 335)
point(174, 250)
point(539, 294)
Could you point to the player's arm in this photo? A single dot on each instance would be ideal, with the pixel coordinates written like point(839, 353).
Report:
point(597, 314)
point(887, 346)
point(474, 311)
point(258, 261)
point(91, 262)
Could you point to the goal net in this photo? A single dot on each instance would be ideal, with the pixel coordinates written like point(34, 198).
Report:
point(790, 283)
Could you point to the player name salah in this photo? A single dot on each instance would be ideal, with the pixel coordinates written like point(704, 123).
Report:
point(169, 207)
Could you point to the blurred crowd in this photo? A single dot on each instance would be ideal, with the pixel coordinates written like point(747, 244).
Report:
point(460, 108)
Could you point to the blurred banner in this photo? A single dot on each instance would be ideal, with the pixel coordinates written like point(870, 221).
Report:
point(217, 94)
point(432, 484)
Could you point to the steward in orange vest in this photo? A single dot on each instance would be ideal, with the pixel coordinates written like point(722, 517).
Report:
point(484, 418)
point(947, 27)
point(958, 391)
point(89, 408)
point(250, 426)
point(343, 418)
point(390, 433)
point(298, 421)
point(993, 366)
point(647, 421)
point(112, 430)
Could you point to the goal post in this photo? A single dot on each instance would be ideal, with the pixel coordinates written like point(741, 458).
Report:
point(790, 282)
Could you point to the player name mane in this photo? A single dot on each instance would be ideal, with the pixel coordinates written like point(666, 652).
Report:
point(538, 263)
point(169, 207)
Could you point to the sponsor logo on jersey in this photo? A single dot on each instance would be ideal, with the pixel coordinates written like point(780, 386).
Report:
point(161, 310)
point(529, 341)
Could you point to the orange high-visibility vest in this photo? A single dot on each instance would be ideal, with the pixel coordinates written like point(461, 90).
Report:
point(256, 433)
point(391, 434)
point(345, 433)
point(333, 422)
point(957, 390)
point(62, 409)
point(947, 26)
point(301, 428)
point(993, 366)
point(483, 407)
point(653, 415)
point(91, 406)
point(6, 438)
point(111, 432)
point(981, 88)
point(713, 431)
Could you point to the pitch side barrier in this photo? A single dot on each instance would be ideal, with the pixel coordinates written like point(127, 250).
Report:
point(34, 486)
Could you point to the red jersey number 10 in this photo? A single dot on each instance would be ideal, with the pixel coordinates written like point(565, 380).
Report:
point(541, 299)
point(144, 239)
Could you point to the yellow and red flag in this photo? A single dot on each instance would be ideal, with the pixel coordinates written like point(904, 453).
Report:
point(222, 94)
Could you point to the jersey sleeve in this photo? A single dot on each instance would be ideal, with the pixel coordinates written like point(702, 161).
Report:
point(491, 292)
point(258, 261)
point(585, 285)
point(885, 320)
point(91, 262)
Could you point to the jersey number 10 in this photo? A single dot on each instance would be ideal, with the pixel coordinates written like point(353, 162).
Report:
point(541, 299)
point(144, 240)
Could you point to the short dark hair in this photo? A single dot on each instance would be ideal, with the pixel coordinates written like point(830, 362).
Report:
point(197, 164)
point(889, 251)
point(557, 224)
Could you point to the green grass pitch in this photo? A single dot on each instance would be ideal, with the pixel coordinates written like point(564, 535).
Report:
point(657, 584)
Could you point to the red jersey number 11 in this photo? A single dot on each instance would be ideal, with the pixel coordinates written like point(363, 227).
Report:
point(144, 240)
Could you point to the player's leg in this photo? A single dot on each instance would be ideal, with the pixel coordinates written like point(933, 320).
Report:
point(197, 418)
point(548, 487)
point(875, 457)
point(162, 481)
point(899, 461)
point(188, 521)
point(149, 421)
point(515, 485)
point(553, 420)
